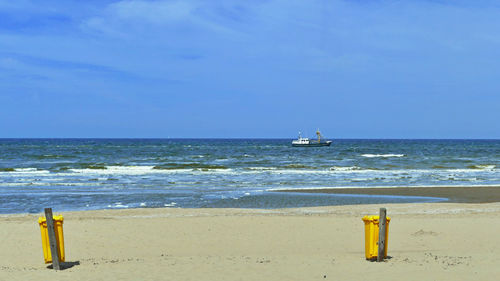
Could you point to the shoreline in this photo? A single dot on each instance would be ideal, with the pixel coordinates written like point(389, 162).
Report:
point(454, 194)
point(448, 194)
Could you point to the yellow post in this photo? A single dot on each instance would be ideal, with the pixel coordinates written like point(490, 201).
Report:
point(371, 236)
point(58, 228)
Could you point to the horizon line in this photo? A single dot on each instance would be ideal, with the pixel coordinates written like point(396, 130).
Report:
point(224, 138)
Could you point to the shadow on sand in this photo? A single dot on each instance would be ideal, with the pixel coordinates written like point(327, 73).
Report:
point(375, 259)
point(66, 265)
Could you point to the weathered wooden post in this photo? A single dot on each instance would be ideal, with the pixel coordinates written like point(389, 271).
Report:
point(52, 239)
point(381, 234)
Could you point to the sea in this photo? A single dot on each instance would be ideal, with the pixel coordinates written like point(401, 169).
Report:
point(91, 174)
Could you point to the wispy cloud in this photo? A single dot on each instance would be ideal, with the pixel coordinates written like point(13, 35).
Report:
point(122, 17)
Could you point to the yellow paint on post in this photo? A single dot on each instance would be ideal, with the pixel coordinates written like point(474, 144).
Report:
point(58, 229)
point(371, 236)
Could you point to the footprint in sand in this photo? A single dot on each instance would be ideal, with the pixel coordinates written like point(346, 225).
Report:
point(422, 232)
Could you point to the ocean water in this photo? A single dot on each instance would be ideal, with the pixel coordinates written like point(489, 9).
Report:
point(84, 174)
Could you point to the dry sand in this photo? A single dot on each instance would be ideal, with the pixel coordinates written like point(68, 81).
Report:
point(440, 241)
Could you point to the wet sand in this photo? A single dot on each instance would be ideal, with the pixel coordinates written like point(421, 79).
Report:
point(454, 194)
point(431, 241)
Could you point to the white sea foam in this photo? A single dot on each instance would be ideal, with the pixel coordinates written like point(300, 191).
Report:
point(351, 168)
point(145, 170)
point(361, 179)
point(127, 170)
point(298, 172)
point(27, 171)
point(401, 172)
point(261, 168)
point(382, 155)
point(118, 205)
point(22, 184)
point(331, 170)
point(32, 176)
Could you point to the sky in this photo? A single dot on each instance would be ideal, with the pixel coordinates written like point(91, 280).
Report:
point(250, 69)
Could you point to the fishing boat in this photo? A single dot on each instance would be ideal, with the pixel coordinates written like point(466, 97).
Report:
point(306, 142)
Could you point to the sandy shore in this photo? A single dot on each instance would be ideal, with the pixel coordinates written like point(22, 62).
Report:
point(443, 241)
point(455, 194)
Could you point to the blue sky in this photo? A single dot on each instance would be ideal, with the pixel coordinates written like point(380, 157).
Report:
point(355, 69)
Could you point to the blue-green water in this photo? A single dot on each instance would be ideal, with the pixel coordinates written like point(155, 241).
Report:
point(82, 174)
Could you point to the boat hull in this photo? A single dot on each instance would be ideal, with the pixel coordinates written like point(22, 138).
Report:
point(312, 144)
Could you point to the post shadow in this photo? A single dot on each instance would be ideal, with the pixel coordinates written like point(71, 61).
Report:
point(65, 265)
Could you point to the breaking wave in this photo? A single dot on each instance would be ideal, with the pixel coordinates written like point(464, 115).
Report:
point(351, 168)
point(177, 166)
point(382, 155)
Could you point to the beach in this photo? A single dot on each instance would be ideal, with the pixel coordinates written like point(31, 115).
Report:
point(427, 241)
